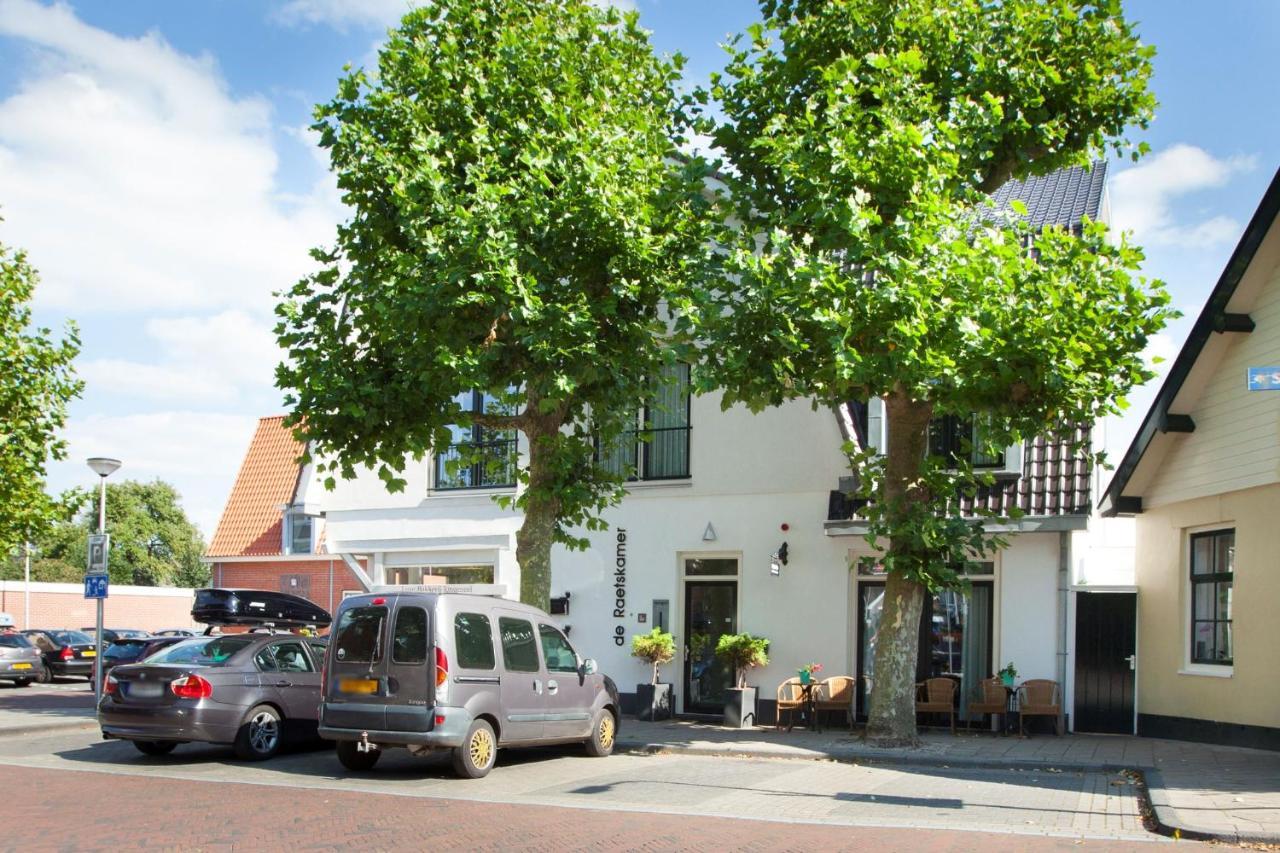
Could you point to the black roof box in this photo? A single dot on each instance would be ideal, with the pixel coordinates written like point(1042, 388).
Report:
point(256, 607)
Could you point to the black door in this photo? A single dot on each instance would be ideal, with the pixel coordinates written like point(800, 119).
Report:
point(710, 611)
point(1105, 638)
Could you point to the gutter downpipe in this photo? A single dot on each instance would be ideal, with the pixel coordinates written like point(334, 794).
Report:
point(358, 570)
point(1064, 565)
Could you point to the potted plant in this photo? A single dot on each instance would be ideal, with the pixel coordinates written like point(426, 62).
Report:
point(655, 648)
point(741, 652)
point(1009, 674)
point(808, 671)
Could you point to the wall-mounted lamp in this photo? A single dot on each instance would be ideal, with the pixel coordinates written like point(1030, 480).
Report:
point(778, 560)
point(560, 605)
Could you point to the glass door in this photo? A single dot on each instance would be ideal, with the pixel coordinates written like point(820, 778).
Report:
point(711, 611)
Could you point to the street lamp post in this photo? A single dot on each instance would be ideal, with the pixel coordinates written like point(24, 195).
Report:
point(103, 467)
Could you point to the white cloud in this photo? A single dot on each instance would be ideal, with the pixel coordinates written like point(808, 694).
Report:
point(137, 180)
point(208, 359)
point(198, 452)
point(1144, 198)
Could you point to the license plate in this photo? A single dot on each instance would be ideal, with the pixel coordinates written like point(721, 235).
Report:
point(358, 685)
point(89, 654)
point(145, 689)
point(22, 666)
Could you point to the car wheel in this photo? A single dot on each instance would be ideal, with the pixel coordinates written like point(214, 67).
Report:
point(353, 759)
point(259, 736)
point(155, 747)
point(22, 682)
point(46, 676)
point(604, 730)
point(479, 751)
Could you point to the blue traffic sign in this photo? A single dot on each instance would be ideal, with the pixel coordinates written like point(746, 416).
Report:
point(1264, 378)
point(95, 586)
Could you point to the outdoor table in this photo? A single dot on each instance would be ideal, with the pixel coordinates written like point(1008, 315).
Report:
point(1010, 708)
point(810, 710)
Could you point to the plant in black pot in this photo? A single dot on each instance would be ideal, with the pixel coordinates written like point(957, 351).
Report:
point(741, 652)
point(654, 648)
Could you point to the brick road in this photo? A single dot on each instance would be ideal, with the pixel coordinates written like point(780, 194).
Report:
point(51, 810)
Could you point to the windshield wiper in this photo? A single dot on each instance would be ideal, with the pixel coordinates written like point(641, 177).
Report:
point(377, 644)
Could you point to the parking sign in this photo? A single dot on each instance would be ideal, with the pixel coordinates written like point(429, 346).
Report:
point(99, 548)
point(95, 586)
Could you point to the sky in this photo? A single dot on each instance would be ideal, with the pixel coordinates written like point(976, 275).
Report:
point(155, 162)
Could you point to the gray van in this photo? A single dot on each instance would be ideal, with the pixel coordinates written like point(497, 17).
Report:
point(439, 670)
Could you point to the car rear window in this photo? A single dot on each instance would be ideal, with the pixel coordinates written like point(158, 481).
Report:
point(14, 641)
point(359, 635)
point(473, 637)
point(409, 642)
point(124, 649)
point(209, 651)
point(72, 638)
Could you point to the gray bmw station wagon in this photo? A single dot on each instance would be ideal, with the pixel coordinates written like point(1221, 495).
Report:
point(430, 669)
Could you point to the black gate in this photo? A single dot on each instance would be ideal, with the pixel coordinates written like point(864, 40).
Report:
point(1106, 625)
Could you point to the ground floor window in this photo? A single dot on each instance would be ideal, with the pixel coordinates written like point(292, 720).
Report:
point(1213, 559)
point(440, 574)
point(955, 638)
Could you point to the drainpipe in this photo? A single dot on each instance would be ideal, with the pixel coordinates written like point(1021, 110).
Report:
point(1064, 566)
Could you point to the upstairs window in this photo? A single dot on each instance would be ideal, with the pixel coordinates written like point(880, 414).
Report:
point(657, 448)
point(1213, 565)
point(489, 454)
point(297, 531)
point(953, 437)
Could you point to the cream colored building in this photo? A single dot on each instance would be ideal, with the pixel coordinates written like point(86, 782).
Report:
point(1202, 479)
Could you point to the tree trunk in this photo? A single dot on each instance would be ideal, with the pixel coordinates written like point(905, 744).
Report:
point(892, 721)
point(541, 509)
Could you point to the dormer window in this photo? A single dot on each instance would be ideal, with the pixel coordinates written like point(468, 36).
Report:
point(954, 437)
point(296, 531)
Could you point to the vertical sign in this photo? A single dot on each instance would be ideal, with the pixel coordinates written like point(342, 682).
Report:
point(99, 548)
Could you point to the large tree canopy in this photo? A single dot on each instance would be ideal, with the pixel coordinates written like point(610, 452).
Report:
point(864, 137)
point(153, 543)
point(36, 384)
point(519, 218)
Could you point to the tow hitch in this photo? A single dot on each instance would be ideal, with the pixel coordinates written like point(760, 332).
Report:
point(363, 744)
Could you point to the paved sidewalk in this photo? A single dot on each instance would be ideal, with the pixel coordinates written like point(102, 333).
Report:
point(44, 708)
point(1217, 792)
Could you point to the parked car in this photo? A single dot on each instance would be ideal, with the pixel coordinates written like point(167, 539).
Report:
point(110, 635)
point(458, 672)
point(248, 690)
point(20, 661)
point(133, 649)
point(65, 652)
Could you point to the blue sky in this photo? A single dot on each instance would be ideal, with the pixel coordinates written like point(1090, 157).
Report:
point(155, 163)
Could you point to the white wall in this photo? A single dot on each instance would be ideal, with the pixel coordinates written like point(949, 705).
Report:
point(1028, 592)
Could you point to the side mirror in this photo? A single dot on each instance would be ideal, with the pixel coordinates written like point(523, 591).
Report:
point(589, 667)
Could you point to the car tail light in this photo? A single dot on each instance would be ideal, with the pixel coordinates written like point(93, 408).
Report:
point(110, 685)
point(191, 687)
point(66, 653)
point(442, 667)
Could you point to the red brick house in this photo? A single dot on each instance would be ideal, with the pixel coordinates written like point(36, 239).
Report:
point(265, 539)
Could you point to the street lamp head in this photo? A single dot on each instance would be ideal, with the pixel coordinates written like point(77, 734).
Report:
point(103, 466)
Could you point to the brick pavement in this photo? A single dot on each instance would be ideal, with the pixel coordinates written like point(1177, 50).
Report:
point(1220, 792)
point(162, 813)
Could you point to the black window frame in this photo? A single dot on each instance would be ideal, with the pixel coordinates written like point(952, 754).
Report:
point(481, 437)
point(951, 437)
point(641, 438)
point(1212, 579)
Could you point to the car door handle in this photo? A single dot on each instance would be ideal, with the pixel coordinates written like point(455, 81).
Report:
point(537, 686)
point(552, 687)
point(284, 684)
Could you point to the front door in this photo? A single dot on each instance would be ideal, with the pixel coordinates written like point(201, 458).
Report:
point(1106, 624)
point(523, 682)
point(710, 611)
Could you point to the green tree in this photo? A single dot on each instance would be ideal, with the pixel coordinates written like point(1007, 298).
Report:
point(36, 384)
point(519, 219)
point(863, 138)
point(153, 543)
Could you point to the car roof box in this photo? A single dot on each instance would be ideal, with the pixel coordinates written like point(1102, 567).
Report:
point(256, 607)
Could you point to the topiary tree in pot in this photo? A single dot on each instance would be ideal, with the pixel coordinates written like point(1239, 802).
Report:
point(655, 648)
point(741, 652)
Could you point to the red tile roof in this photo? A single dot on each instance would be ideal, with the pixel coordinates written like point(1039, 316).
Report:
point(251, 523)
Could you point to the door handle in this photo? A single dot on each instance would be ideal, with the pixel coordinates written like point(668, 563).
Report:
point(537, 686)
point(552, 687)
point(1132, 659)
point(284, 684)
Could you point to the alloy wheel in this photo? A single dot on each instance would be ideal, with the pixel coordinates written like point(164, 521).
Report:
point(481, 748)
point(264, 732)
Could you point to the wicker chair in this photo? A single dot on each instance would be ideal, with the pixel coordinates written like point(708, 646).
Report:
point(937, 696)
point(835, 694)
point(1039, 697)
point(790, 700)
point(994, 700)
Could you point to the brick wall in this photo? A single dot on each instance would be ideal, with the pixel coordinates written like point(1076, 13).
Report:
point(309, 578)
point(63, 605)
